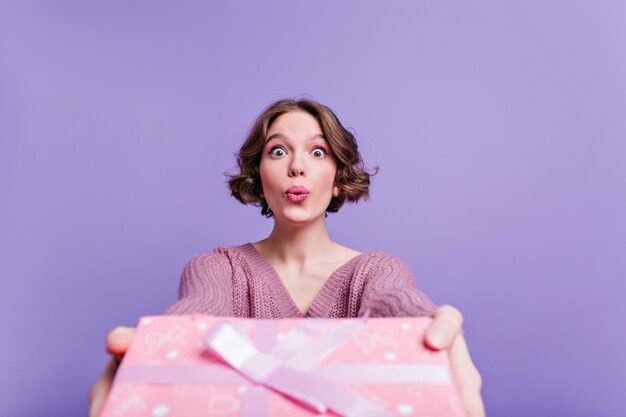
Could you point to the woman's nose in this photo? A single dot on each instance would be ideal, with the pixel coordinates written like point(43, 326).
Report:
point(293, 172)
point(296, 168)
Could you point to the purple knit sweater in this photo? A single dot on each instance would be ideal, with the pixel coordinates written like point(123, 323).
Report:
point(240, 282)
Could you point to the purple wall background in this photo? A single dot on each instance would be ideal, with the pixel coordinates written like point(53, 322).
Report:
point(499, 129)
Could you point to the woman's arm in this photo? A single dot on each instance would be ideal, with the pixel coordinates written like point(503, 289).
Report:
point(205, 287)
point(445, 332)
point(118, 342)
point(390, 291)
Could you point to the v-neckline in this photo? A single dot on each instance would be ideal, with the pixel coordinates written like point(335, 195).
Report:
point(284, 296)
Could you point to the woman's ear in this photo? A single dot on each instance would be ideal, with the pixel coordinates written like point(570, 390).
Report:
point(335, 191)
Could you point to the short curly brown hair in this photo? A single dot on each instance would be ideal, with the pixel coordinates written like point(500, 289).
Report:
point(351, 178)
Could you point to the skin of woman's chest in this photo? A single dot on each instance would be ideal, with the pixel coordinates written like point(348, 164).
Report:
point(304, 284)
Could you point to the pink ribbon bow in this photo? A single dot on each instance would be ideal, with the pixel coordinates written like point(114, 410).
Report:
point(315, 393)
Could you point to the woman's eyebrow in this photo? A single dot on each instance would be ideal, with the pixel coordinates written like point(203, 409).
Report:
point(275, 136)
point(283, 137)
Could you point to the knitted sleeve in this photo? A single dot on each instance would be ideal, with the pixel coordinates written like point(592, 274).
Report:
point(205, 286)
point(390, 291)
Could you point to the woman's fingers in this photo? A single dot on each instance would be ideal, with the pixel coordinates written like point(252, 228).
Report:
point(119, 340)
point(467, 377)
point(447, 322)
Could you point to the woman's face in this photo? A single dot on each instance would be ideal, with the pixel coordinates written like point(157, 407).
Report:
point(297, 168)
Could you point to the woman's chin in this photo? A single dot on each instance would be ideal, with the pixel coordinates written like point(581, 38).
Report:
point(297, 217)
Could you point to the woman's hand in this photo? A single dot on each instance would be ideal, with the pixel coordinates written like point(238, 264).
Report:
point(118, 342)
point(445, 333)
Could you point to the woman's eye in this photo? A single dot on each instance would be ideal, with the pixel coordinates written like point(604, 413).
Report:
point(319, 152)
point(277, 152)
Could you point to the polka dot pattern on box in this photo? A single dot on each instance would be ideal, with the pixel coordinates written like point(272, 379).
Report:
point(160, 410)
point(404, 409)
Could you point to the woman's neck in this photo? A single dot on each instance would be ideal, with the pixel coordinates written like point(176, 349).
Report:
point(293, 243)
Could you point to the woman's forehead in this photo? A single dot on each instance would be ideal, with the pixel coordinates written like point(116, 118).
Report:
point(295, 123)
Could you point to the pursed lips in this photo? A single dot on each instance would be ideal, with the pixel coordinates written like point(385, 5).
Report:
point(297, 193)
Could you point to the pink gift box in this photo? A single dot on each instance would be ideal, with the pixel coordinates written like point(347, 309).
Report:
point(185, 366)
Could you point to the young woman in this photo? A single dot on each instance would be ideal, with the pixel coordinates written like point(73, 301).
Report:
point(299, 163)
